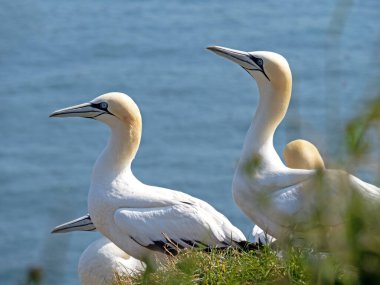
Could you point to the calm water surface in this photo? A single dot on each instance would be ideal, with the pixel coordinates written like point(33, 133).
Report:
point(196, 106)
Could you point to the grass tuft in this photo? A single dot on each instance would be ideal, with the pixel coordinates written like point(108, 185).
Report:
point(264, 266)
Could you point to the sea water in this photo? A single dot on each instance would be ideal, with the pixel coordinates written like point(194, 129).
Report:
point(196, 106)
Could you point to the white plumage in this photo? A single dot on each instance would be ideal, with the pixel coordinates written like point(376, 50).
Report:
point(145, 221)
point(103, 262)
point(299, 154)
point(287, 203)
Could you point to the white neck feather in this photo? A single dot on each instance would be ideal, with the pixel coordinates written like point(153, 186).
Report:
point(258, 143)
point(119, 152)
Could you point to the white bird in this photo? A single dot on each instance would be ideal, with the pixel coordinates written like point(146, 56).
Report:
point(281, 200)
point(147, 222)
point(298, 154)
point(102, 263)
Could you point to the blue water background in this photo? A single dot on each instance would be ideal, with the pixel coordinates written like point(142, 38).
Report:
point(196, 107)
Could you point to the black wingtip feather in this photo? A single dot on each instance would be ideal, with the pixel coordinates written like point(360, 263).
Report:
point(248, 246)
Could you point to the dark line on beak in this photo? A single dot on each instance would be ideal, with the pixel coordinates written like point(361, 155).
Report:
point(67, 113)
point(227, 53)
point(237, 58)
point(73, 227)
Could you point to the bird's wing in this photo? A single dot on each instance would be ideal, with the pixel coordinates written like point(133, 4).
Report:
point(367, 190)
point(320, 201)
point(81, 224)
point(175, 227)
point(146, 196)
point(152, 196)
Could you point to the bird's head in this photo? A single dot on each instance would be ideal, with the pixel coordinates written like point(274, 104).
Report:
point(269, 69)
point(120, 113)
point(110, 108)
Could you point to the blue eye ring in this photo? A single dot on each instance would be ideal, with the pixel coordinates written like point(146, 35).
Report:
point(260, 62)
point(103, 105)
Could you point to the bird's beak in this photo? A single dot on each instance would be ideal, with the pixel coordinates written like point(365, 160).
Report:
point(240, 57)
point(81, 224)
point(86, 110)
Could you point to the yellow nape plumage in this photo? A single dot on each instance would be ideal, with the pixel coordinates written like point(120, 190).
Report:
point(301, 154)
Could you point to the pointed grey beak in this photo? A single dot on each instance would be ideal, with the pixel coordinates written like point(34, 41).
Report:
point(246, 60)
point(86, 110)
point(240, 57)
point(81, 224)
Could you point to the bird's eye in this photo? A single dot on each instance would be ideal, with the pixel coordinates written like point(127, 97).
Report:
point(259, 61)
point(103, 106)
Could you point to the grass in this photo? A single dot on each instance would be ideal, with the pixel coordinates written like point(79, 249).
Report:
point(359, 263)
point(264, 266)
point(231, 266)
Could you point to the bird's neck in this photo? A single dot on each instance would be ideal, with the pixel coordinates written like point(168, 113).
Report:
point(271, 109)
point(120, 150)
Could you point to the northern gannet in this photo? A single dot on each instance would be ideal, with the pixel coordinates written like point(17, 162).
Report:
point(147, 222)
point(102, 263)
point(298, 154)
point(281, 200)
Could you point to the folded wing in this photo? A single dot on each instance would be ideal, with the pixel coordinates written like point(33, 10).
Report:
point(177, 226)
